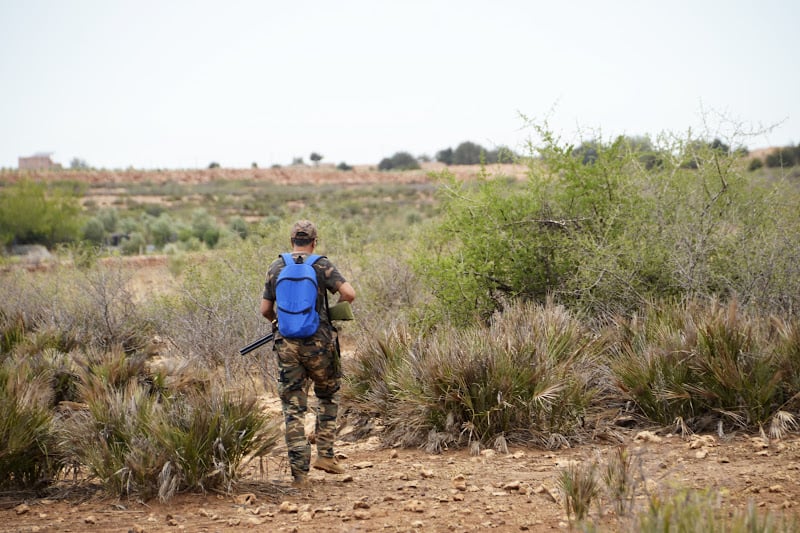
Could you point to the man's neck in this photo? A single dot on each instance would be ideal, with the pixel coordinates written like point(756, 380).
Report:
point(303, 249)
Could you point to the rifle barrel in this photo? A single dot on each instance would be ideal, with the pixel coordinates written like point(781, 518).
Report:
point(256, 344)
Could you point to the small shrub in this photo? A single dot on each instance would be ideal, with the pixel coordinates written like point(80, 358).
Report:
point(399, 161)
point(580, 486)
point(691, 511)
point(755, 164)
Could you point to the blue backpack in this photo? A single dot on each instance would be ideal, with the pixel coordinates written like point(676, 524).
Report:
point(296, 298)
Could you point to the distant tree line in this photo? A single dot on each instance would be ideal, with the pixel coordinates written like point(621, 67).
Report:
point(783, 157)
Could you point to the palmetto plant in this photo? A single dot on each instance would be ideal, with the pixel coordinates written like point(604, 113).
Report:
point(526, 377)
point(146, 434)
point(703, 360)
point(28, 453)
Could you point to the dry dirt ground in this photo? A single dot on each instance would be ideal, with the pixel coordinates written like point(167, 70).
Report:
point(411, 490)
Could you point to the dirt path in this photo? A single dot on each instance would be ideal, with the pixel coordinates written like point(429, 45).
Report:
point(410, 490)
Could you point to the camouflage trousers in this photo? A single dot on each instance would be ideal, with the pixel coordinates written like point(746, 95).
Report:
point(299, 361)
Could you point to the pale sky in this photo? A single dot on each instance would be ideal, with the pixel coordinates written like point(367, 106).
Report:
point(182, 83)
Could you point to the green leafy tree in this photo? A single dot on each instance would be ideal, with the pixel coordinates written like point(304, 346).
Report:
point(445, 156)
point(315, 158)
point(94, 231)
point(205, 228)
point(399, 161)
point(163, 231)
point(468, 153)
point(78, 164)
point(31, 214)
point(612, 235)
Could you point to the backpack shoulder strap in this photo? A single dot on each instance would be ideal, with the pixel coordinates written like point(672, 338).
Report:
point(287, 258)
point(311, 259)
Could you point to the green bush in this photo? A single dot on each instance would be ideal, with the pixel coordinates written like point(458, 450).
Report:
point(30, 213)
point(755, 164)
point(608, 236)
point(399, 161)
point(94, 231)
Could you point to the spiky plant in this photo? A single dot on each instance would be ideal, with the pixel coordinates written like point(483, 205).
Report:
point(692, 511)
point(620, 479)
point(525, 377)
point(151, 434)
point(579, 486)
point(28, 454)
point(713, 363)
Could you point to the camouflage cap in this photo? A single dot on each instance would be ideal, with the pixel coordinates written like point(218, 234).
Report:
point(304, 229)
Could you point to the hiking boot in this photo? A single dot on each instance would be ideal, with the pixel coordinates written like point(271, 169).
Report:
point(329, 465)
point(301, 482)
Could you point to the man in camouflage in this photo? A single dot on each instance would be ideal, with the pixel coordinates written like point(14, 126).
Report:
point(313, 358)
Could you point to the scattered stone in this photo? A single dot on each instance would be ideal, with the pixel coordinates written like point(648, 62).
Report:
point(91, 519)
point(253, 521)
point(544, 491)
point(362, 465)
point(512, 485)
point(22, 509)
point(348, 478)
point(136, 528)
point(362, 514)
point(393, 454)
point(458, 497)
point(646, 436)
point(460, 482)
point(417, 524)
point(701, 454)
point(307, 516)
point(362, 504)
point(724, 459)
point(566, 463)
point(204, 512)
point(776, 488)
point(759, 443)
point(233, 522)
point(518, 455)
point(426, 474)
point(702, 441)
point(245, 499)
point(488, 453)
point(414, 506)
point(287, 507)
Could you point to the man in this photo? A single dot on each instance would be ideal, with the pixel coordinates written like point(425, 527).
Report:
point(312, 358)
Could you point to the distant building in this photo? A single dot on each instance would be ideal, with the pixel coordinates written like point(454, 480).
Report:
point(38, 161)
